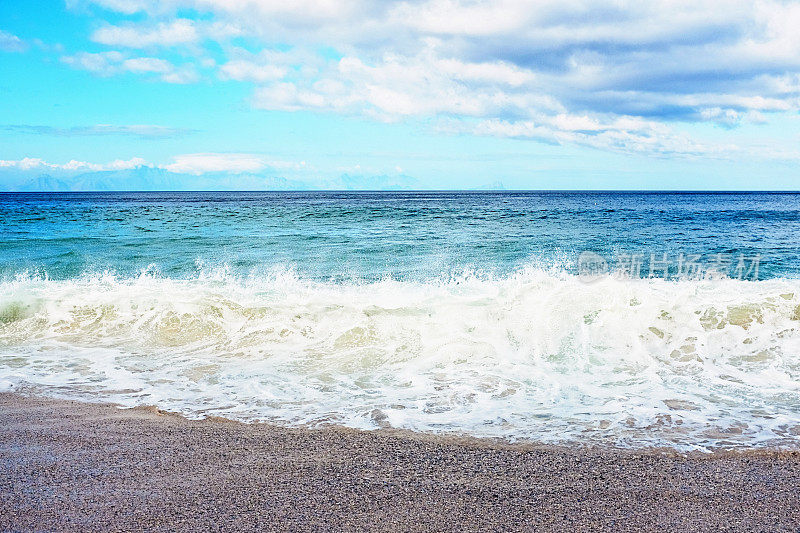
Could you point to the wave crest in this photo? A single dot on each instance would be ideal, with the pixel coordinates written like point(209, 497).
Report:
point(537, 354)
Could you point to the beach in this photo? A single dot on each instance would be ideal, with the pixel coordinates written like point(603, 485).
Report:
point(71, 466)
point(412, 361)
point(439, 265)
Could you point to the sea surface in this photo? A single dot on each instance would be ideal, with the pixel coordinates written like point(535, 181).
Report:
point(621, 318)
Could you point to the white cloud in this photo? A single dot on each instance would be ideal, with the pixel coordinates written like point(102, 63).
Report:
point(419, 86)
point(114, 62)
point(566, 66)
point(730, 118)
point(146, 64)
point(628, 135)
point(30, 163)
point(215, 162)
point(637, 137)
point(24, 164)
point(181, 75)
point(242, 70)
point(103, 63)
point(196, 164)
point(177, 32)
point(234, 163)
point(11, 43)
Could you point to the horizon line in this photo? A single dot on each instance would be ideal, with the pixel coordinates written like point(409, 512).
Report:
point(497, 191)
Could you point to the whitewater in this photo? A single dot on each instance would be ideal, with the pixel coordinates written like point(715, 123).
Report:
point(608, 318)
point(538, 354)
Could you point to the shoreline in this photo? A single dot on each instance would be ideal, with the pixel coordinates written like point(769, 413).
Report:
point(74, 466)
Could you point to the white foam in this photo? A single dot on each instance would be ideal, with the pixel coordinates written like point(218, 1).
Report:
point(538, 354)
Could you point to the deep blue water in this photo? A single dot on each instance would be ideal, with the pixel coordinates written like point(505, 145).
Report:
point(406, 235)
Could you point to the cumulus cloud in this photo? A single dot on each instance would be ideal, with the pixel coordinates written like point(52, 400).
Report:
point(177, 32)
point(423, 85)
point(181, 31)
point(115, 62)
point(241, 70)
point(11, 43)
point(511, 65)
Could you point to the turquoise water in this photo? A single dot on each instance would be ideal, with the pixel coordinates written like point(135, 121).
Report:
point(335, 236)
point(632, 319)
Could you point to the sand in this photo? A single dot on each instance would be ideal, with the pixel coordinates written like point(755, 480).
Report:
point(68, 466)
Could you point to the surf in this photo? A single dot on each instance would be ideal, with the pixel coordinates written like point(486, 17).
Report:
point(538, 354)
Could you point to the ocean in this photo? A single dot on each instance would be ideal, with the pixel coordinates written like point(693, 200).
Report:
point(617, 318)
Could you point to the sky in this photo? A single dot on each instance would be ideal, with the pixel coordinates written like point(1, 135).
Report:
point(422, 94)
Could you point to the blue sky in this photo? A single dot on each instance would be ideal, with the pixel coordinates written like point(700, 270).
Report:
point(423, 94)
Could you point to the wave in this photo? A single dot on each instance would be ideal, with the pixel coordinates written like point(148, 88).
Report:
point(538, 354)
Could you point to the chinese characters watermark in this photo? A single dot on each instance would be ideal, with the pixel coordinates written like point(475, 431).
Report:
point(666, 265)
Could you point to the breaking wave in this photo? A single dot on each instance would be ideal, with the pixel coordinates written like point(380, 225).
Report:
point(539, 354)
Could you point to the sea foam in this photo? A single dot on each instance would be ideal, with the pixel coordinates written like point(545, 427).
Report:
point(539, 354)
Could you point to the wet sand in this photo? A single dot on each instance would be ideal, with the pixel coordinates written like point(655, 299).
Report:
point(67, 466)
